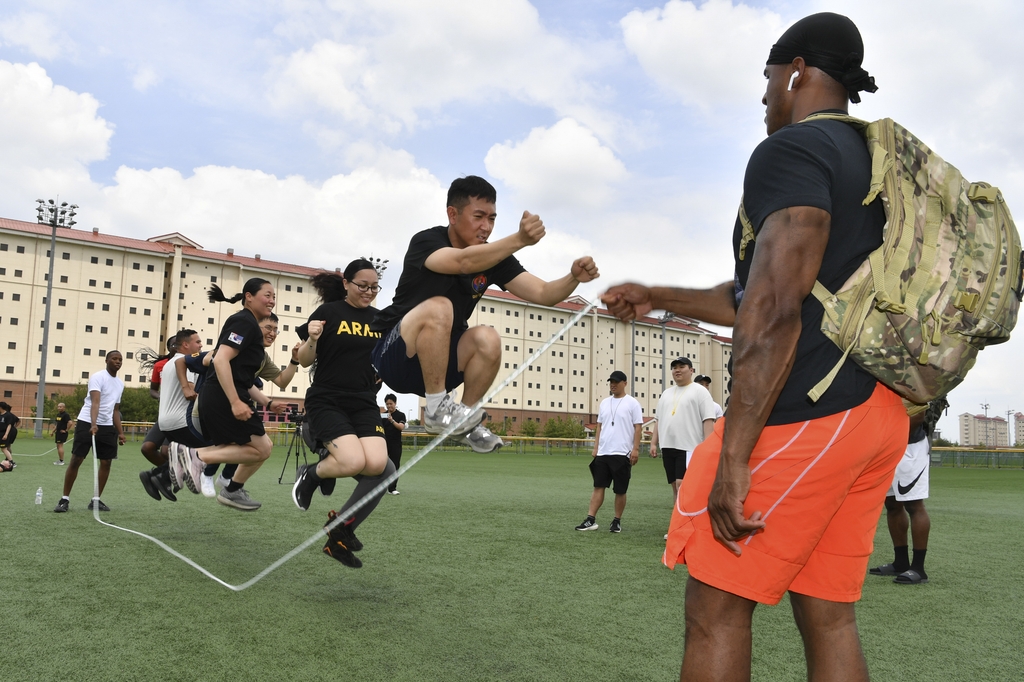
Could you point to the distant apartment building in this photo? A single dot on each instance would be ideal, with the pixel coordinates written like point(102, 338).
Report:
point(571, 379)
point(979, 430)
point(1018, 425)
point(114, 292)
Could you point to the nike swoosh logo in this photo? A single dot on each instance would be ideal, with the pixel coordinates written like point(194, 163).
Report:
point(904, 490)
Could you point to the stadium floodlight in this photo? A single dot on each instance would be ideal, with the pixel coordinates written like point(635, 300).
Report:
point(54, 215)
point(379, 265)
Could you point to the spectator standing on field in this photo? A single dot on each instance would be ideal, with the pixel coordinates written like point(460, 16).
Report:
point(616, 450)
point(100, 418)
point(705, 381)
point(60, 432)
point(8, 431)
point(394, 424)
point(686, 416)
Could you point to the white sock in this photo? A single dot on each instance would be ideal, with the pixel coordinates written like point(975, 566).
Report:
point(433, 401)
point(64, 497)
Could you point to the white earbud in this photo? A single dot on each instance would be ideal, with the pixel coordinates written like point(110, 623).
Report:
point(796, 74)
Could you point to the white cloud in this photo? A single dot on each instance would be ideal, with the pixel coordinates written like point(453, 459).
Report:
point(562, 165)
point(144, 78)
point(36, 34)
point(408, 57)
point(710, 56)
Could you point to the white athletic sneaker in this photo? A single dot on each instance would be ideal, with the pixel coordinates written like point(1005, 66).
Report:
point(206, 484)
point(482, 440)
point(448, 413)
point(192, 467)
point(174, 469)
point(221, 482)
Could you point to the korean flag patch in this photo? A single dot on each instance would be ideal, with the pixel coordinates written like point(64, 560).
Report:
point(235, 338)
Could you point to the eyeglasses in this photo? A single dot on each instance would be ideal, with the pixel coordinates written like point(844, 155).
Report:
point(363, 288)
point(270, 329)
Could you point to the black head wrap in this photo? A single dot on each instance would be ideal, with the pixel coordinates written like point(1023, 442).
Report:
point(830, 42)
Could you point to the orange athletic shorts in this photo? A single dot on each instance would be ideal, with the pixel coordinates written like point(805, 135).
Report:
point(819, 486)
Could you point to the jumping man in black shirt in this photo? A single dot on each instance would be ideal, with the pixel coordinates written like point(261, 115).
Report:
point(425, 346)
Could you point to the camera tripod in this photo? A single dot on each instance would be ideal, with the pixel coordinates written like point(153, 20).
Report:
point(298, 446)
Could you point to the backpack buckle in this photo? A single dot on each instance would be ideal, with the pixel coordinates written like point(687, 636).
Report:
point(966, 301)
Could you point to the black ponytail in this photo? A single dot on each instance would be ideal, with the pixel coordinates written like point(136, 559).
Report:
point(329, 285)
point(252, 286)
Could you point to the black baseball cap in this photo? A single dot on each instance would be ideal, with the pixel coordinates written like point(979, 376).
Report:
point(617, 376)
point(702, 377)
point(682, 361)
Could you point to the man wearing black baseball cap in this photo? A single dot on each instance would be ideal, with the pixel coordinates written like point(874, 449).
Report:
point(705, 381)
point(616, 450)
point(686, 415)
point(786, 495)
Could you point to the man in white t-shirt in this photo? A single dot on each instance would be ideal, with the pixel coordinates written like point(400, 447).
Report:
point(686, 416)
point(705, 381)
point(100, 417)
point(616, 450)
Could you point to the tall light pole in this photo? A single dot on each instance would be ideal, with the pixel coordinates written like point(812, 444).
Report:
point(54, 215)
point(985, 407)
point(632, 356)
point(1009, 436)
point(664, 320)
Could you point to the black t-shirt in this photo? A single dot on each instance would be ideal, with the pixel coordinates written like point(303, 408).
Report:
point(242, 332)
point(418, 283)
point(8, 419)
point(392, 435)
point(823, 164)
point(343, 351)
point(62, 421)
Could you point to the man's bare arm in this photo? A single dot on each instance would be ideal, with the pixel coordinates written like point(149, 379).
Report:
point(535, 290)
point(716, 305)
point(480, 257)
point(786, 261)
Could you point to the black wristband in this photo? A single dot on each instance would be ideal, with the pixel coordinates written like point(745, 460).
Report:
point(294, 362)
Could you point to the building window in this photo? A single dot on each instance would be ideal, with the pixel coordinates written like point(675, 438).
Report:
point(106, 285)
point(129, 355)
point(110, 261)
point(287, 287)
point(132, 311)
point(105, 307)
point(90, 305)
point(11, 345)
point(102, 353)
point(298, 308)
point(149, 290)
point(135, 288)
point(92, 282)
point(85, 375)
point(135, 266)
point(87, 351)
point(299, 289)
point(103, 330)
point(88, 327)
point(56, 372)
point(146, 311)
point(508, 313)
point(14, 321)
point(10, 370)
point(17, 297)
point(150, 268)
point(63, 279)
point(58, 349)
point(131, 332)
point(287, 308)
point(94, 260)
point(17, 273)
point(127, 378)
point(145, 335)
point(209, 320)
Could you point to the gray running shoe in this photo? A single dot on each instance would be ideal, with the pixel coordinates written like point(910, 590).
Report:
point(449, 412)
point(239, 500)
point(482, 440)
point(174, 467)
point(191, 468)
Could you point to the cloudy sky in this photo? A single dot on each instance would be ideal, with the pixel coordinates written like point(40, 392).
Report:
point(333, 128)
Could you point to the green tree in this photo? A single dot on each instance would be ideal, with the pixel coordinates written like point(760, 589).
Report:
point(73, 402)
point(529, 429)
point(501, 429)
point(138, 406)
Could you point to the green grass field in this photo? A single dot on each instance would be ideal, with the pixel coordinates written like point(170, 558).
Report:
point(474, 572)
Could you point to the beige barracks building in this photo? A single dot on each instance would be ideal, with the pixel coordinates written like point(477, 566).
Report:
point(571, 379)
point(113, 292)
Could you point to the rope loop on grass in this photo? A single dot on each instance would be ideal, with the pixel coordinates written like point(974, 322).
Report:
point(362, 502)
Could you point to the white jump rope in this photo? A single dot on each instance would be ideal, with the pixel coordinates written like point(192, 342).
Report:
point(350, 512)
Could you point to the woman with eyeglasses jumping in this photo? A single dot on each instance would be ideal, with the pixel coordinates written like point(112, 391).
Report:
point(341, 402)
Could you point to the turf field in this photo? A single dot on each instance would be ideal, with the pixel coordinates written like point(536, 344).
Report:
point(474, 572)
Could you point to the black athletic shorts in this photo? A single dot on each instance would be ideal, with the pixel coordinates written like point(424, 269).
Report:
point(11, 437)
point(218, 421)
point(155, 435)
point(106, 441)
point(675, 463)
point(607, 469)
point(60, 436)
point(336, 416)
point(401, 373)
point(185, 436)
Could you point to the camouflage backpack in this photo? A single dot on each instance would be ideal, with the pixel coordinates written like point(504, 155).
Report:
point(945, 282)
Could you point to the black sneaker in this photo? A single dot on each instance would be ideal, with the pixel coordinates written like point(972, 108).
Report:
point(588, 524)
point(99, 505)
point(162, 482)
point(340, 543)
point(616, 526)
point(326, 484)
point(62, 506)
point(306, 484)
point(147, 483)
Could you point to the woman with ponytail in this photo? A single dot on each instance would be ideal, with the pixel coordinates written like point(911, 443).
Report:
point(226, 411)
point(341, 403)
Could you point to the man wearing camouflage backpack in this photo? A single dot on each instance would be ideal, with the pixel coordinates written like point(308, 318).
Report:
point(786, 493)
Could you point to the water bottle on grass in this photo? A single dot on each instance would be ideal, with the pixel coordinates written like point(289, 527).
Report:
point(39, 495)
